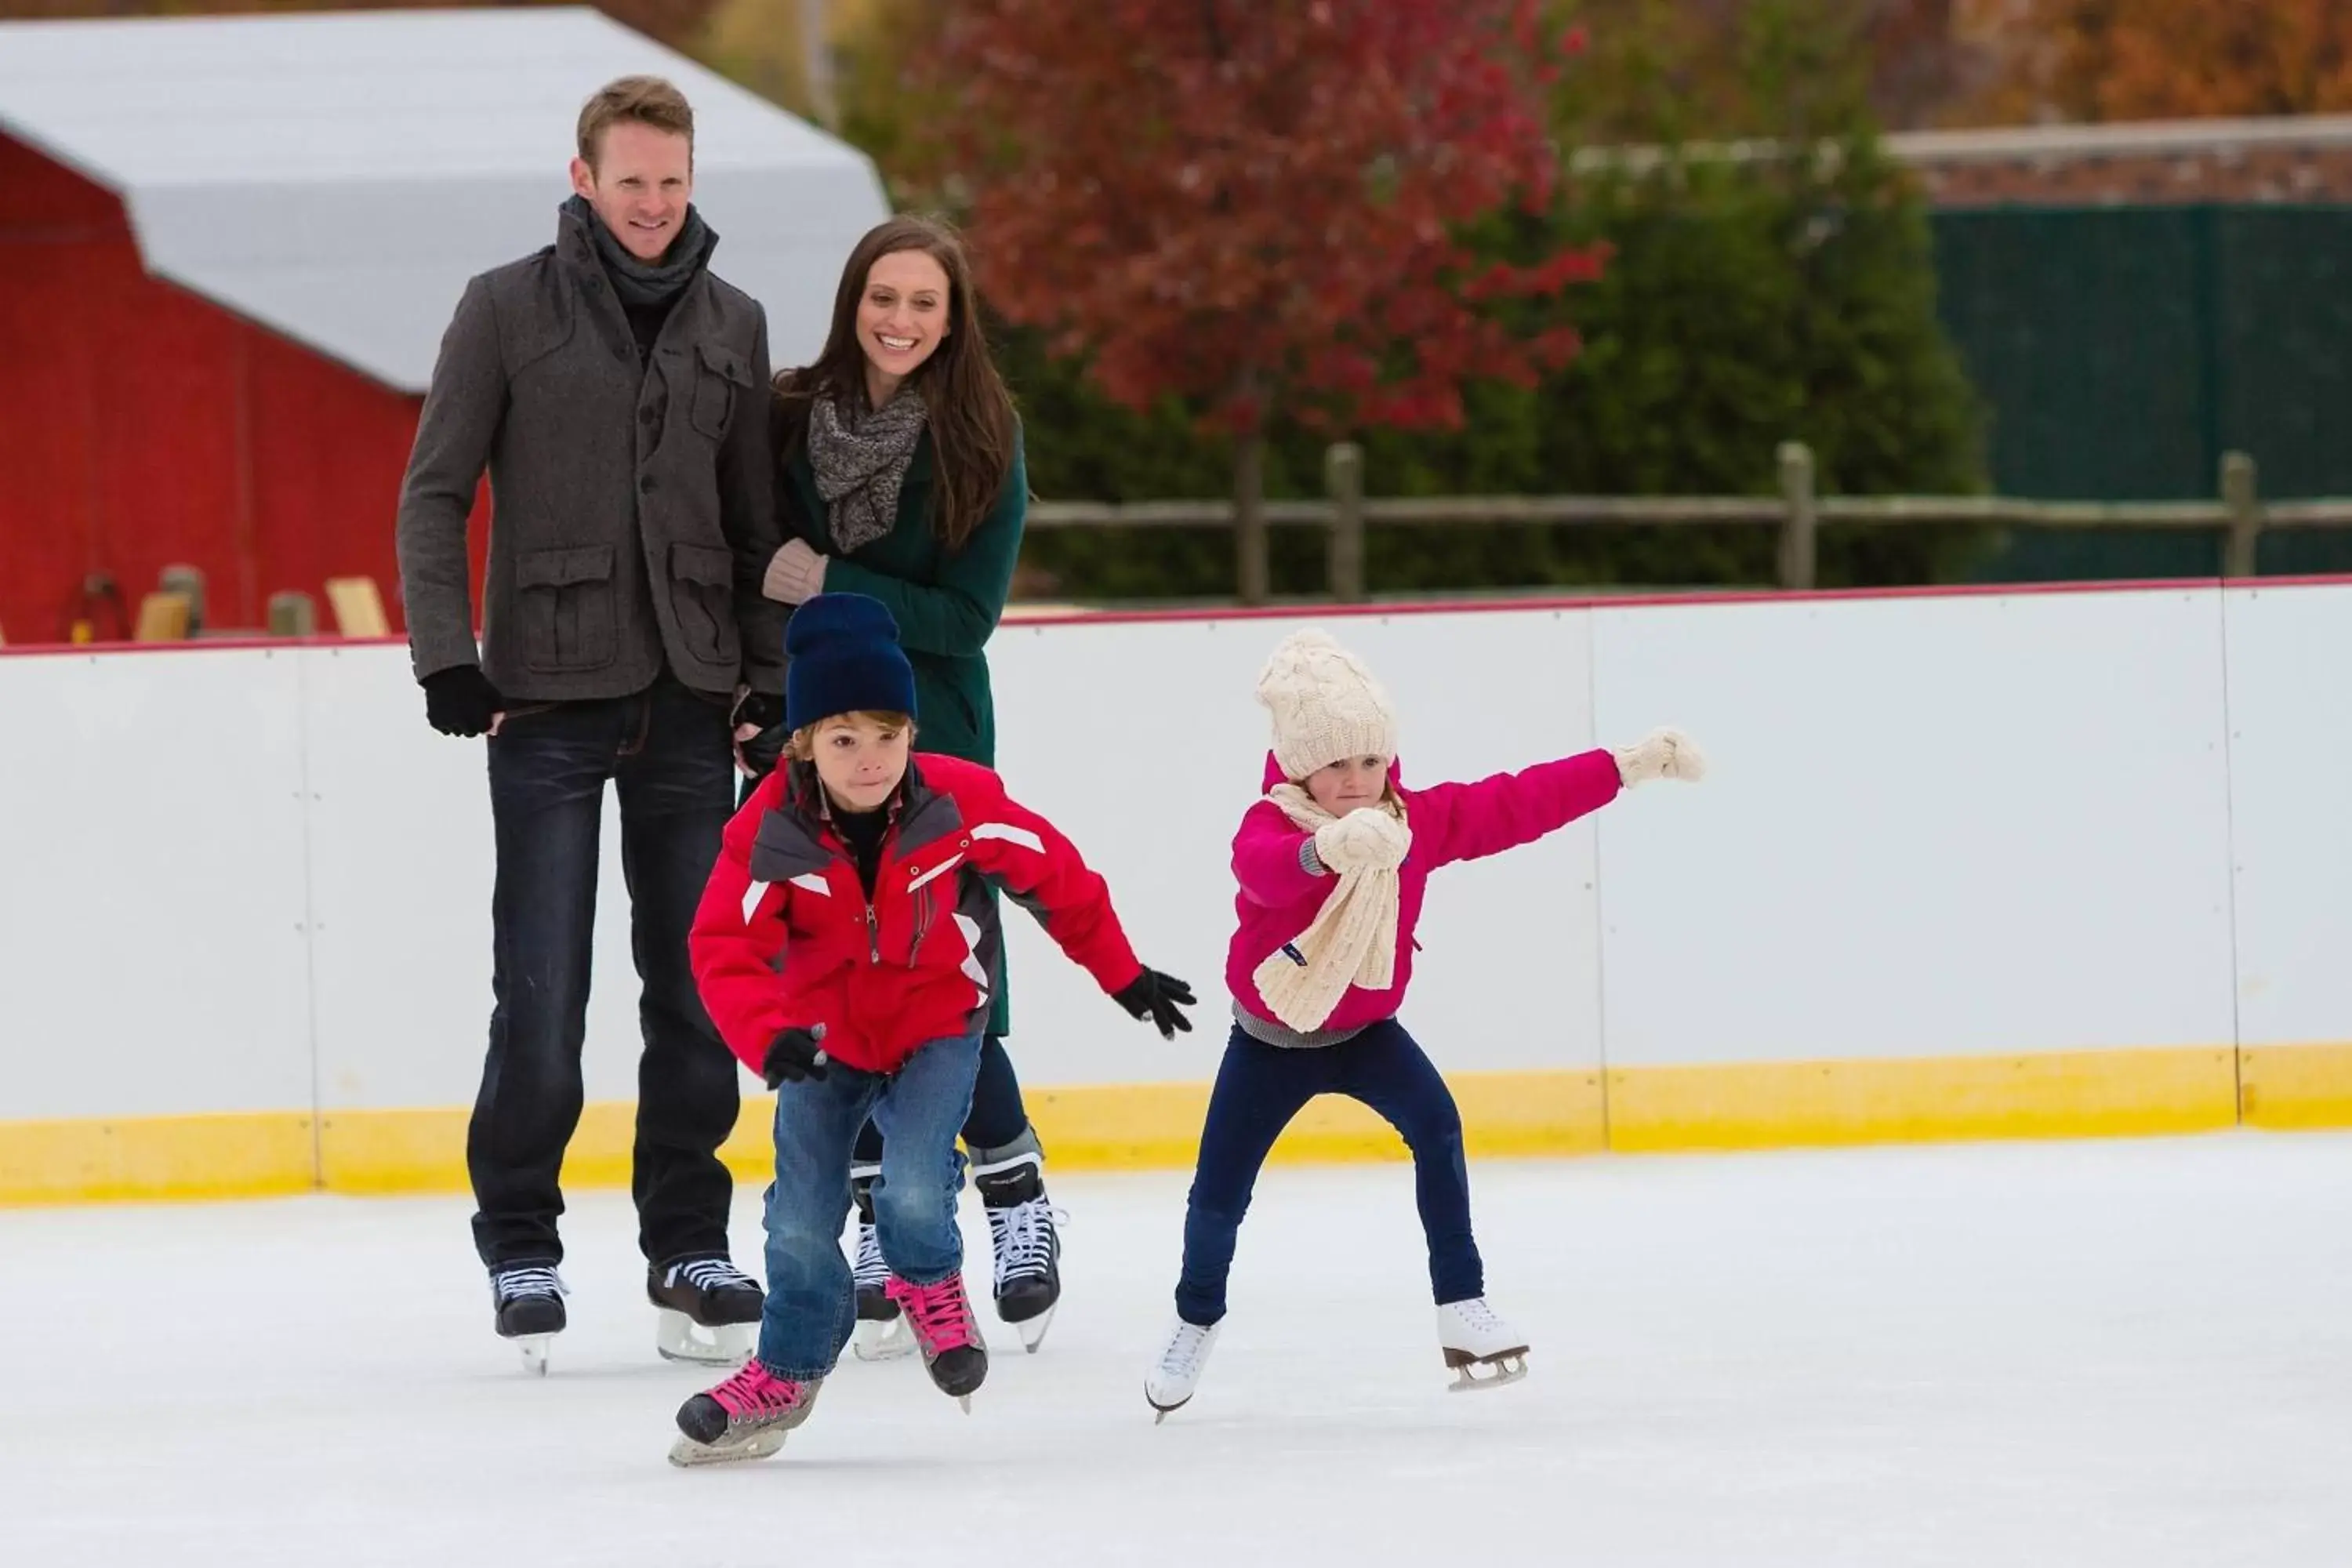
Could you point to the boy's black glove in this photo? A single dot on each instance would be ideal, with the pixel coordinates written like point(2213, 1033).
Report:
point(1155, 998)
point(460, 700)
point(794, 1056)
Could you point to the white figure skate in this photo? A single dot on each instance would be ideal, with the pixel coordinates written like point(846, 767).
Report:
point(1481, 1349)
point(1170, 1384)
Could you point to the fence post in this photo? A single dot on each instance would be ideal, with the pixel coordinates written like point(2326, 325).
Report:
point(1343, 481)
point(1797, 530)
point(2241, 499)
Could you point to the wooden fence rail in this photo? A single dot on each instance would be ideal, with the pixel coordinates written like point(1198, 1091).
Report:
point(2237, 512)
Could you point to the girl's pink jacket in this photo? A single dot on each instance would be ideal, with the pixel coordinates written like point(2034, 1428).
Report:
point(1450, 822)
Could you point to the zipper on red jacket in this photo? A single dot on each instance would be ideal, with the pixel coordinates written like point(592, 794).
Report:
point(873, 934)
point(922, 925)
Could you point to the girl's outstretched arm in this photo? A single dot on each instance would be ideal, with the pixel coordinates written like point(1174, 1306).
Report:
point(1466, 821)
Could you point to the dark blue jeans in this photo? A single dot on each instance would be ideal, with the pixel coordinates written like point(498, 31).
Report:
point(667, 751)
point(811, 1298)
point(1260, 1087)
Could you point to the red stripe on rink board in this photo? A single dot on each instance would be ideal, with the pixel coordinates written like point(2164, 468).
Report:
point(1528, 605)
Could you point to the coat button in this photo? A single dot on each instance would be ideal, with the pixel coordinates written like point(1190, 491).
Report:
point(645, 484)
point(651, 415)
point(621, 350)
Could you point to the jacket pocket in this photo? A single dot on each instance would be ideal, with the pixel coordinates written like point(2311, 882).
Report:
point(721, 380)
point(565, 603)
point(702, 595)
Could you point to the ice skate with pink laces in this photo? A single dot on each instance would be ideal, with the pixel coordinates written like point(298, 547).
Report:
point(947, 1334)
point(746, 1417)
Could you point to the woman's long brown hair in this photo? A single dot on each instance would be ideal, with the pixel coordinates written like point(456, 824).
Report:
point(969, 409)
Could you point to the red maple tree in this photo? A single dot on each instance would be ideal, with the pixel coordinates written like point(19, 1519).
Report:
point(1257, 207)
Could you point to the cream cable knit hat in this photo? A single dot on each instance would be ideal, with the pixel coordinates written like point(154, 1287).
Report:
point(1325, 704)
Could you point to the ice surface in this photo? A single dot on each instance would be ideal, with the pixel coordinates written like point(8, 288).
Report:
point(2128, 1353)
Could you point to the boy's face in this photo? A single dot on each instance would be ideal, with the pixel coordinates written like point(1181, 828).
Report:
point(860, 762)
point(1349, 783)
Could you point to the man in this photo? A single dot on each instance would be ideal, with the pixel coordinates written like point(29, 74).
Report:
point(616, 391)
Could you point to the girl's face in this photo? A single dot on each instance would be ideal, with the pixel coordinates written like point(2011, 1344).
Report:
point(860, 762)
point(902, 317)
point(1349, 783)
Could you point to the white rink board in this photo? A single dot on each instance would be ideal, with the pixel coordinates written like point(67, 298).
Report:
point(1145, 742)
point(152, 956)
point(2291, 748)
point(1937, 827)
point(1987, 824)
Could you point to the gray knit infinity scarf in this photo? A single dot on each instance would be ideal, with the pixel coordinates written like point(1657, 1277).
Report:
point(860, 459)
point(648, 282)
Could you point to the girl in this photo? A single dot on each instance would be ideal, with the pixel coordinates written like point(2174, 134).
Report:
point(843, 947)
point(903, 480)
point(1332, 864)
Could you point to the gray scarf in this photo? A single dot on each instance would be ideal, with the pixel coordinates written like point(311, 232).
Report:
point(648, 282)
point(860, 459)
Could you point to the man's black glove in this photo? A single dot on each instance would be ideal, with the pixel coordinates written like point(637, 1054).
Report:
point(756, 756)
point(794, 1056)
point(762, 709)
point(1155, 998)
point(460, 700)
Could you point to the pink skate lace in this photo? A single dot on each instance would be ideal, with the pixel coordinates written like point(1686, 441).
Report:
point(757, 1391)
point(941, 1317)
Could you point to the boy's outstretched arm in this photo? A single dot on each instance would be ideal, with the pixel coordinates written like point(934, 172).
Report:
point(1044, 871)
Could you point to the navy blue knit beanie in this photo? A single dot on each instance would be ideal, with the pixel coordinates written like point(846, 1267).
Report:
point(842, 655)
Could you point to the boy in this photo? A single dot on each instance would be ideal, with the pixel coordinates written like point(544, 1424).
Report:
point(844, 947)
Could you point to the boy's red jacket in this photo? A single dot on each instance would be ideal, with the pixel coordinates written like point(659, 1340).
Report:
point(915, 965)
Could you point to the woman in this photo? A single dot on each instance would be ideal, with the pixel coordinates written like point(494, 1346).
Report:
point(902, 478)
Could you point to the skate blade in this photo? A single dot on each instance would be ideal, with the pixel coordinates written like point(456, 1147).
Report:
point(965, 1401)
point(883, 1341)
point(685, 1453)
point(679, 1338)
point(1509, 1367)
point(534, 1349)
point(1163, 1412)
point(1033, 1330)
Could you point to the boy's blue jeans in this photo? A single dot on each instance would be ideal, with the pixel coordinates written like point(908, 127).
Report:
point(811, 1306)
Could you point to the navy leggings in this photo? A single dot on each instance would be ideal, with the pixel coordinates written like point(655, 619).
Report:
point(1260, 1087)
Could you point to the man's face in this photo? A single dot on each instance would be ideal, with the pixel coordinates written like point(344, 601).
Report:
point(640, 185)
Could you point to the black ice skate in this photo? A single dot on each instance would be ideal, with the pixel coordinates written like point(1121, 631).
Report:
point(882, 1330)
point(1028, 1247)
point(528, 1300)
point(946, 1333)
point(710, 1310)
point(746, 1417)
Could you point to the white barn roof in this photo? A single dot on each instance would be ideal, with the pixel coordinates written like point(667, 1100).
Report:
point(338, 178)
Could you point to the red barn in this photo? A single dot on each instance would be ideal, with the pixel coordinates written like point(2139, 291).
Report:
point(230, 246)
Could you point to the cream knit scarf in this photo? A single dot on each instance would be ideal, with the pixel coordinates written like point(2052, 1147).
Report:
point(1352, 940)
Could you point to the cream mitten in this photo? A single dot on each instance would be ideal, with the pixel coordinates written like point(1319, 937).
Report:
point(1660, 755)
point(795, 574)
point(1367, 838)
